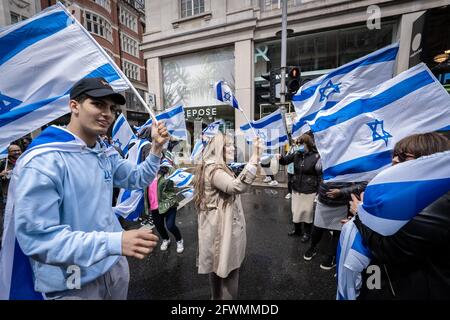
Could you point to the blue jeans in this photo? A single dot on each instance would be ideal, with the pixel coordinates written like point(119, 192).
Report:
point(166, 220)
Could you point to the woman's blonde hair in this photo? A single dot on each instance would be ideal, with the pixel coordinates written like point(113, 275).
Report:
point(212, 155)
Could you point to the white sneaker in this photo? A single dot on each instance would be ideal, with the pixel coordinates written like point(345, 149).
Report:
point(267, 179)
point(164, 245)
point(273, 183)
point(180, 246)
point(288, 196)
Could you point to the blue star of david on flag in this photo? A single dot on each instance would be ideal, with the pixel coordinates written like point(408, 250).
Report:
point(377, 136)
point(7, 103)
point(262, 134)
point(331, 88)
point(117, 143)
point(226, 96)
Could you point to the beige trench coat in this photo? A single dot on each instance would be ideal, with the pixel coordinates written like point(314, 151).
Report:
point(221, 230)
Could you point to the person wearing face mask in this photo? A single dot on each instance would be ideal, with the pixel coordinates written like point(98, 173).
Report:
point(305, 183)
point(415, 261)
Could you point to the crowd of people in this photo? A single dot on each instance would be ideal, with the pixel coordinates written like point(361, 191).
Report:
point(75, 172)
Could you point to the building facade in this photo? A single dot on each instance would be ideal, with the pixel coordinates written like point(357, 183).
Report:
point(13, 11)
point(190, 44)
point(118, 26)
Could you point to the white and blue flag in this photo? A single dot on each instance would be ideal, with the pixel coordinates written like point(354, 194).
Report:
point(270, 129)
point(187, 193)
point(181, 178)
point(223, 93)
point(174, 120)
point(212, 128)
point(356, 137)
point(130, 203)
point(40, 59)
point(122, 134)
point(198, 148)
point(327, 90)
point(209, 132)
point(412, 186)
point(166, 163)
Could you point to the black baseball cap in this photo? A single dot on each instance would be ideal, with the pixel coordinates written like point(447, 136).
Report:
point(96, 88)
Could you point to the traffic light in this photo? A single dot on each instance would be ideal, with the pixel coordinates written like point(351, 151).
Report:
point(266, 91)
point(293, 81)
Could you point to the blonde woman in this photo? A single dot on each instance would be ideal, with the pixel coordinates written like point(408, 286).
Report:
point(221, 223)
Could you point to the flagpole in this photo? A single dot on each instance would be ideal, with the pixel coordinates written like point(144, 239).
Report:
point(249, 122)
point(118, 70)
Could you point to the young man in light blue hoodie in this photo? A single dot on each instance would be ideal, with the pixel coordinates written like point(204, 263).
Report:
point(63, 217)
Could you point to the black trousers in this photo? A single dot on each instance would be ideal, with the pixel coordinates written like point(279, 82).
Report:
point(316, 236)
point(290, 176)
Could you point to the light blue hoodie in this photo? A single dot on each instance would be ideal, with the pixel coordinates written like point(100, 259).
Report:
point(63, 213)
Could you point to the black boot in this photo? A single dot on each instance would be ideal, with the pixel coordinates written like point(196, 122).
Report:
point(306, 232)
point(297, 230)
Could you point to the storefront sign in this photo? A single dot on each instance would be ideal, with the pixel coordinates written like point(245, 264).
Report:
point(209, 112)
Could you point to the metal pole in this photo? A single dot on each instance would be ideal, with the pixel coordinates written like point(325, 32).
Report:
point(283, 51)
point(283, 63)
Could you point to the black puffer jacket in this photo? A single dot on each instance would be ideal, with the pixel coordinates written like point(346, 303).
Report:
point(306, 178)
point(415, 261)
point(347, 188)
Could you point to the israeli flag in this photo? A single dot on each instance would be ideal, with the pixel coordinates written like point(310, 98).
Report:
point(269, 128)
point(187, 193)
point(356, 137)
point(412, 186)
point(166, 163)
point(40, 59)
point(198, 148)
point(326, 91)
point(352, 257)
point(174, 120)
point(224, 94)
point(122, 134)
point(424, 180)
point(213, 128)
point(181, 178)
point(130, 203)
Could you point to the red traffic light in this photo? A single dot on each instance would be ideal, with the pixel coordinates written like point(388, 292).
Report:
point(294, 72)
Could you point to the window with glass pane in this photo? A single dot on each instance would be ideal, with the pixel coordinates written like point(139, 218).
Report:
point(131, 70)
point(14, 18)
point(192, 7)
point(98, 25)
point(128, 19)
point(104, 3)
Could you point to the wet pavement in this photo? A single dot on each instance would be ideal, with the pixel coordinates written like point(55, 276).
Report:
point(274, 268)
